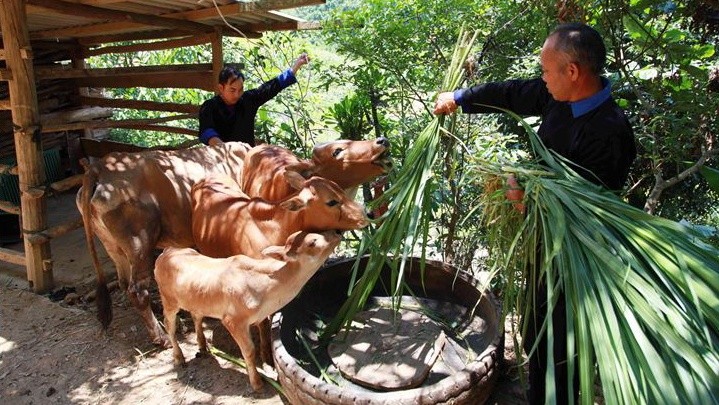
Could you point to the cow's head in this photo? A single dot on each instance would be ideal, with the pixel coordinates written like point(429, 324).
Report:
point(306, 247)
point(326, 205)
point(348, 163)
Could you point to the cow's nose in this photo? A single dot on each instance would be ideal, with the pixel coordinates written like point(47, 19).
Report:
point(383, 141)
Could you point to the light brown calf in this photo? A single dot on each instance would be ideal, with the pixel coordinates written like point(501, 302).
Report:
point(347, 163)
point(238, 290)
point(226, 222)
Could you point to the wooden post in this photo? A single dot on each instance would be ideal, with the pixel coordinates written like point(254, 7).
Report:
point(73, 144)
point(28, 142)
point(217, 55)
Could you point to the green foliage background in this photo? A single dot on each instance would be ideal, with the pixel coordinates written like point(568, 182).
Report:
point(377, 64)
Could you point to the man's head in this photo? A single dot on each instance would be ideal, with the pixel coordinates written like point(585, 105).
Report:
point(231, 85)
point(572, 59)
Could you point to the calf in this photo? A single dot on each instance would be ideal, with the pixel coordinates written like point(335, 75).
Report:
point(238, 290)
point(226, 222)
point(347, 163)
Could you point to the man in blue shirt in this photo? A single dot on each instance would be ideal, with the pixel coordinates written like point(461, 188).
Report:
point(230, 115)
point(581, 122)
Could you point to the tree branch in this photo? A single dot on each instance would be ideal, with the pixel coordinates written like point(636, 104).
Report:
point(660, 184)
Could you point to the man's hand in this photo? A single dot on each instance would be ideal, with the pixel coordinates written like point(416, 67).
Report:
point(301, 61)
point(515, 194)
point(445, 103)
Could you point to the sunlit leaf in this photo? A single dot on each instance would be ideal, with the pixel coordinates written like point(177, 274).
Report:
point(712, 177)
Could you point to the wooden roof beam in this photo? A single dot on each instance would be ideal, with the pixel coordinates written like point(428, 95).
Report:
point(152, 46)
point(88, 11)
point(285, 26)
point(148, 35)
point(230, 10)
point(186, 17)
point(60, 72)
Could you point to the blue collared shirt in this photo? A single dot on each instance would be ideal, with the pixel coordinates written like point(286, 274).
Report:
point(582, 107)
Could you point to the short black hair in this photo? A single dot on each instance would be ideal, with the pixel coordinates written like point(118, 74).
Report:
point(582, 43)
point(229, 74)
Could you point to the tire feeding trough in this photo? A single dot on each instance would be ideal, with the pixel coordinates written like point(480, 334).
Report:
point(442, 346)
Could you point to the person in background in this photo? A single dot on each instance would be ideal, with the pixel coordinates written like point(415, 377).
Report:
point(230, 115)
point(580, 121)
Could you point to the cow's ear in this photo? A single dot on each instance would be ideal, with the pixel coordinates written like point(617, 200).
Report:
point(275, 252)
point(305, 168)
point(293, 204)
point(294, 179)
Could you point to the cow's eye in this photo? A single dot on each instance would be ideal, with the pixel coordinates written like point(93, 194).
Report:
point(332, 203)
point(337, 152)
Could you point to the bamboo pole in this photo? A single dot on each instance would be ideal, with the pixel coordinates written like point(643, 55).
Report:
point(8, 169)
point(12, 256)
point(78, 62)
point(159, 128)
point(9, 207)
point(67, 183)
point(114, 123)
point(55, 72)
point(50, 233)
point(140, 104)
point(217, 54)
point(151, 46)
point(28, 142)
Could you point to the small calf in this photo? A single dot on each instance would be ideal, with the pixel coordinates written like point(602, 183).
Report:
point(238, 290)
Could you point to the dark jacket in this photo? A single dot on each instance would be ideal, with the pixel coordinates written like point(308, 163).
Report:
point(237, 123)
point(593, 134)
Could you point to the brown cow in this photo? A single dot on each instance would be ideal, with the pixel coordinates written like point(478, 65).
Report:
point(134, 202)
point(238, 290)
point(226, 222)
point(347, 163)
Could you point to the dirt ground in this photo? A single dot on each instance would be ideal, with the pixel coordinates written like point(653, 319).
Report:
point(52, 350)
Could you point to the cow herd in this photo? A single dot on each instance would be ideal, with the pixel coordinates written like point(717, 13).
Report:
point(243, 229)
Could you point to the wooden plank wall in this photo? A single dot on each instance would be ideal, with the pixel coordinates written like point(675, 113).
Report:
point(69, 108)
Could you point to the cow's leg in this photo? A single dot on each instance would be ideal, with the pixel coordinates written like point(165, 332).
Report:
point(266, 342)
point(240, 331)
point(137, 242)
point(139, 296)
point(170, 310)
point(200, 332)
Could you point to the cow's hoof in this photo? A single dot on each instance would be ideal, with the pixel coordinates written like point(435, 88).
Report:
point(201, 354)
point(163, 342)
point(268, 359)
point(256, 385)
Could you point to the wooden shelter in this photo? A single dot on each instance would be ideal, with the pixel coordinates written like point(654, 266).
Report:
point(44, 85)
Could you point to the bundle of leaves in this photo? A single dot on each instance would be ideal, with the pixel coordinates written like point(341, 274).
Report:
point(407, 220)
point(641, 291)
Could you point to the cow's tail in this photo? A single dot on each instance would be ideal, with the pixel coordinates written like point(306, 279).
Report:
point(102, 294)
